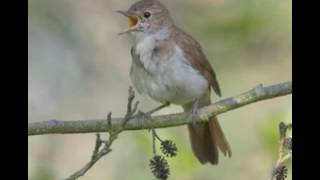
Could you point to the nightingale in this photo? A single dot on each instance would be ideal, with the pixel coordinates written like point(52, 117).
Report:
point(170, 66)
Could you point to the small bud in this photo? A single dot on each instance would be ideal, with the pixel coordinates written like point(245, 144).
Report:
point(283, 130)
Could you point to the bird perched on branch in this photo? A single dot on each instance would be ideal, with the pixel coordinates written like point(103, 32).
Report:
point(170, 67)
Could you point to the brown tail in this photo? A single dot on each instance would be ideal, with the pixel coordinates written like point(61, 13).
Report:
point(207, 137)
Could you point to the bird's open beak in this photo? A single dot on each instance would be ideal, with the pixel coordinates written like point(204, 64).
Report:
point(133, 21)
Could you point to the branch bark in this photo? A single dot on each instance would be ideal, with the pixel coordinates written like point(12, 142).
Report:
point(256, 94)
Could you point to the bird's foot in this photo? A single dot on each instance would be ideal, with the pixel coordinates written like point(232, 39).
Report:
point(144, 116)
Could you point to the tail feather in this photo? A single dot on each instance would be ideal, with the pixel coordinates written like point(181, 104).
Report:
point(207, 137)
point(218, 136)
point(202, 145)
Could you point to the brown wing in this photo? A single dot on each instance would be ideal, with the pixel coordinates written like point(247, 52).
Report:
point(193, 53)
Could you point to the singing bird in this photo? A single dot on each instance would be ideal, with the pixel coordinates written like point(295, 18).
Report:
point(170, 66)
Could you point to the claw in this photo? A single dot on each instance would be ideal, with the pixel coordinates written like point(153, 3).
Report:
point(143, 117)
point(194, 111)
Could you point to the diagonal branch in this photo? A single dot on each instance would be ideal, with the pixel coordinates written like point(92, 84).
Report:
point(96, 155)
point(258, 93)
point(102, 147)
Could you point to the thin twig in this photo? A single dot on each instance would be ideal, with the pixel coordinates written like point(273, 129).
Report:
point(284, 153)
point(102, 148)
point(153, 142)
point(96, 155)
point(156, 135)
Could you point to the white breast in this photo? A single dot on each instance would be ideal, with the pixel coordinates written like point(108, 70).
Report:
point(171, 79)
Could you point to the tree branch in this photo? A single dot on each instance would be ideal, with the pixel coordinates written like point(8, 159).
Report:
point(96, 155)
point(102, 147)
point(258, 93)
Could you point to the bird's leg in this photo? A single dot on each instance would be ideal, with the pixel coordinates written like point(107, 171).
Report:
point(195, 111)
point(148, 114)
point(166, 104)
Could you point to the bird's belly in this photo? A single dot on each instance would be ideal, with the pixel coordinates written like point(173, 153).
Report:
point(171, 81)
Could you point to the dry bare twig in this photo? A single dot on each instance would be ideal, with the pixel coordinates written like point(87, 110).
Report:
point(279, 171)
point(102, 147)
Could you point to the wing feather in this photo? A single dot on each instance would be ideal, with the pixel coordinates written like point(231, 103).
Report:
point(194, 54)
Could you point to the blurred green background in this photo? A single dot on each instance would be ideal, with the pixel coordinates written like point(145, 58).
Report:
point(79, 66)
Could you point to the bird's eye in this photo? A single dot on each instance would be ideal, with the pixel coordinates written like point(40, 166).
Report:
point(146, 14)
